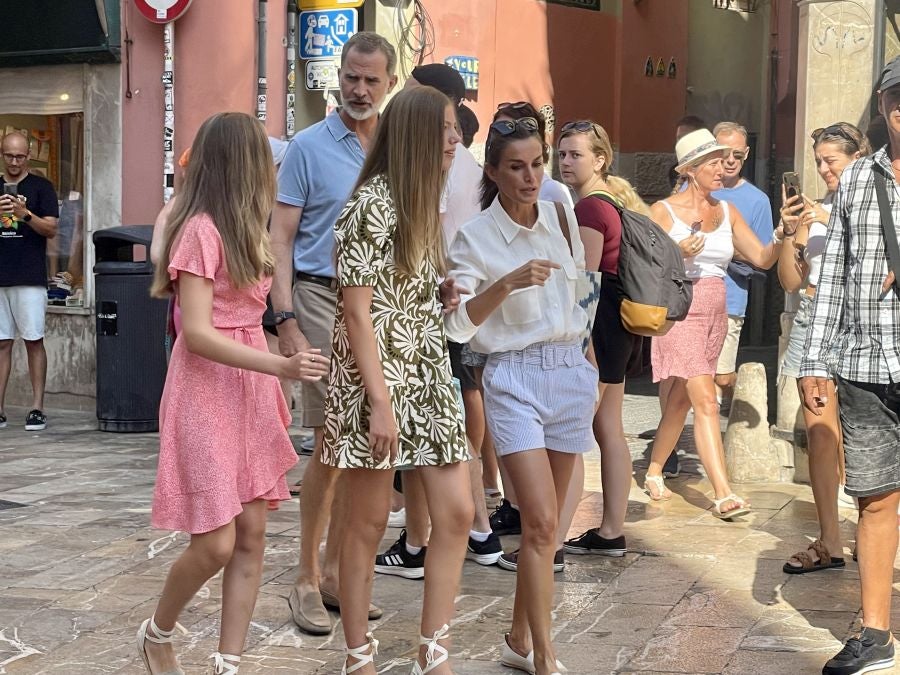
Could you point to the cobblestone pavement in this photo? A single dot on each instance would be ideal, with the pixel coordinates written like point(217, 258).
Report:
point(80, 568)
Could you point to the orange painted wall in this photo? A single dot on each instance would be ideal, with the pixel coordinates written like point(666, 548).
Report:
point(215, 70)
point(647, 108)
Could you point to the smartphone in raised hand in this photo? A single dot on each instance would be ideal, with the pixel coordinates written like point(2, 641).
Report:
point(791, 180)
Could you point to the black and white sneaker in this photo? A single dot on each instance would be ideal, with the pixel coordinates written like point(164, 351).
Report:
point(505, 519)
point(2, 420)
point(861, 654)
point(485, 552)
point(670, 468)
point(35, 421)
point(399, 562)
point(510, 561)
point(591, 543)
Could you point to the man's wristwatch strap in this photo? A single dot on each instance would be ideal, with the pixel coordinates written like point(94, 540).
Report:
point(281, 317)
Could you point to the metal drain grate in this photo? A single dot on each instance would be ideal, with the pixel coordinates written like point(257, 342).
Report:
point(4, 505)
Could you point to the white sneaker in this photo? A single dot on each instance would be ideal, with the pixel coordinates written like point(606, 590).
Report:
point(845, 500)
point(397, 518)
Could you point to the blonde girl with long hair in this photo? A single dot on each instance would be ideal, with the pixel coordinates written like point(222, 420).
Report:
point(391, 402)
point(585, 156)
point(224, 447)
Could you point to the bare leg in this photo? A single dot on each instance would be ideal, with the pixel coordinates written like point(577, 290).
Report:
point(670, 427)
point(5, 366)
point(37, 371)
point(202, 559)
point(240, 583)
point(448, 491)
point(480, 523)
point(542, 478)
point(615, 459)
point(708, 433)
point(368, 500)
point(489, 467)
point(417, 522)
point(570, 504)
point(315, 506)
point(876, 548)
point(337, 525)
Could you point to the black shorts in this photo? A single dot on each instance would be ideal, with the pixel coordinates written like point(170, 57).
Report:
point(617, 351)
point(465, 374)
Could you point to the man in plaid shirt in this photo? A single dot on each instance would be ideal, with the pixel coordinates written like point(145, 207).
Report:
point(854, 337)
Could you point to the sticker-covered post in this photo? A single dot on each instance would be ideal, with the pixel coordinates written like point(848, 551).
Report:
point(290, 111)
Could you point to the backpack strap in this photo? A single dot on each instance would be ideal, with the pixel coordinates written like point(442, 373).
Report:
point(888, 230)
point(563, 219)
point(607, 197)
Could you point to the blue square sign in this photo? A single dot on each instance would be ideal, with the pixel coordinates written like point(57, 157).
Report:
point(324, 32)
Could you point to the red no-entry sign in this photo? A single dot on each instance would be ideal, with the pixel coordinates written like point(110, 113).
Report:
point(162, 11)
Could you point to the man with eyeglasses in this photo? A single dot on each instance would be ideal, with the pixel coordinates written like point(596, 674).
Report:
point(29, 212)
point(754, 206)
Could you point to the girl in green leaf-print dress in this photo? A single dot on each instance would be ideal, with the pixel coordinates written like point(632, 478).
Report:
point(391, 401)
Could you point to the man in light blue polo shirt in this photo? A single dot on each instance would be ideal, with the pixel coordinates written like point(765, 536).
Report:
point(316, 178)
point(757, 211)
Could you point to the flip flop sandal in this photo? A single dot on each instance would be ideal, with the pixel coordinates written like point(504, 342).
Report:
point(660, 484)
point(807, 564)
point(740, 510)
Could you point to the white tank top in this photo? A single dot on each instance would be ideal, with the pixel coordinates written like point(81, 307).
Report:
point(815, 247)
point(718, 249)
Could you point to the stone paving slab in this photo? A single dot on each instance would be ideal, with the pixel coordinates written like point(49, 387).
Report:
point(81, 568)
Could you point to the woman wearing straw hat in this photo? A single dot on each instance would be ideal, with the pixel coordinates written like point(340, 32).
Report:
point(708, 232)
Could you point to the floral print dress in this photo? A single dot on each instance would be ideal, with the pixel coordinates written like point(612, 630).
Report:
point(409, 330)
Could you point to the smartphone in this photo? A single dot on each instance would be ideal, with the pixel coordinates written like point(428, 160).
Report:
point(791, 180)
point(11, 189)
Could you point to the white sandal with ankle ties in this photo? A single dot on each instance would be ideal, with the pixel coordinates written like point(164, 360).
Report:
point(159, 637)
point(225, 664)
point(363, 654)
point(436, 653)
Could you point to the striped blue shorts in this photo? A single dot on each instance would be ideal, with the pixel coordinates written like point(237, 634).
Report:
point(540, 397)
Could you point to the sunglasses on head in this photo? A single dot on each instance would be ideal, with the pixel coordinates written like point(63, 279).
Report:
point(507, 127)
point(582, 126)
point(834, 130)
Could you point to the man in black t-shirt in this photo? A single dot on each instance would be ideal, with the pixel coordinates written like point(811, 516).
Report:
point(29, 212)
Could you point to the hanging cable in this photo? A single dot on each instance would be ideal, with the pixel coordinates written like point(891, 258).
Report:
point(415, 35)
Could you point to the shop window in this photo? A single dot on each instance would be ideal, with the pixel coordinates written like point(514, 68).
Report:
point(56, 152)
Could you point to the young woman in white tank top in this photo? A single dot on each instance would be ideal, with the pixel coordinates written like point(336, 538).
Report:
point(805, 229)
point(684, 360)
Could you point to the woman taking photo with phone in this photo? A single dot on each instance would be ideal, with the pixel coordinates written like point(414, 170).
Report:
point(805, 229)
point(519, 265)
point(708, 231)
point(391, 402)
point(224, 446)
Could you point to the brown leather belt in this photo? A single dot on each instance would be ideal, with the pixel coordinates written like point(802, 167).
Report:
point(328, 282)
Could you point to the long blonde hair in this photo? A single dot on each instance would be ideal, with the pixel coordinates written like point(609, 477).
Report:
point(230, 178)
point(601, 146)
point(408, 150)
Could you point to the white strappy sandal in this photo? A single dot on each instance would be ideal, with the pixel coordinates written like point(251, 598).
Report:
point(363, 654)
point(436, 654)
point(225, 664)
point(159, 637)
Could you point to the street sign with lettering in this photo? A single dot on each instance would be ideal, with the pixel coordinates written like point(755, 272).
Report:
point(321, 74)
point(467, 66)
point(324, 32)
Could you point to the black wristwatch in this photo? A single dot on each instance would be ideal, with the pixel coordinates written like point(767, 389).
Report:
point(27, 218)
point(281, 317)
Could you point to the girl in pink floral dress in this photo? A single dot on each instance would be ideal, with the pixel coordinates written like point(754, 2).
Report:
point(224, 447)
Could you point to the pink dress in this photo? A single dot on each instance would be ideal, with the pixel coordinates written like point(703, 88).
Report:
point(222, 430)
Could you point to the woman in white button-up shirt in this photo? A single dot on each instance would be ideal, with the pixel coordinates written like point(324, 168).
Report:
point(519, 275)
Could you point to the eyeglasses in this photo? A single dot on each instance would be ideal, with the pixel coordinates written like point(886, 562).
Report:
point(518, 105)
point(582, 126)
point(507, 127)
point(834, 130)
point(14, 158)
point(739, 155)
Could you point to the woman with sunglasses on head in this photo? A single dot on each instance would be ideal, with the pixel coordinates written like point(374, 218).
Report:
point(805, 229)
point(585, 156)
point(708, 231)
point(519, 265)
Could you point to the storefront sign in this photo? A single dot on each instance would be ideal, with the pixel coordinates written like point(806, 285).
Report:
point(321, 74)
point(329, 4)
point(583, 4)
point(162, 11)
point(323, 33)
point(467, 66)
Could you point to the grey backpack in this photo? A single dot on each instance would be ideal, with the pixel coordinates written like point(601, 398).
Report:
point(656, 291)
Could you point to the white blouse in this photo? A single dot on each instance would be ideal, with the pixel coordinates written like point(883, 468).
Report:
point(492, 245)
point(815, 245)
point(718, 247)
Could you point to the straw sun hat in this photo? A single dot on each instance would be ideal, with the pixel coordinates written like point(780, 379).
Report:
point(696, 146)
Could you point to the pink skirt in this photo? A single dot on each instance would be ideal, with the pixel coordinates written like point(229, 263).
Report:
point(691, 348)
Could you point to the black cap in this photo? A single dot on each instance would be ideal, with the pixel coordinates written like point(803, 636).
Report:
point(890, 76)
point(443, 78)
